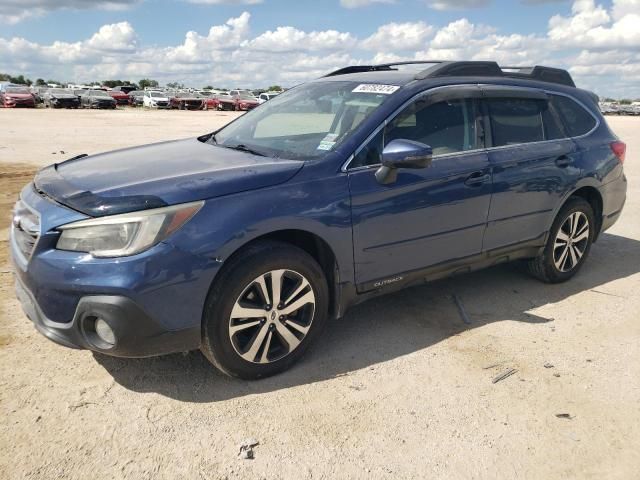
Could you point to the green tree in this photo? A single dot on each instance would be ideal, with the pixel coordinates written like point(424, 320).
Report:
point(20, 80)
point(625, 101)
point(40, 82)
point(274, 88)
point(147, 82)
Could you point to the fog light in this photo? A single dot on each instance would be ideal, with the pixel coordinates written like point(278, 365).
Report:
point(104, 332)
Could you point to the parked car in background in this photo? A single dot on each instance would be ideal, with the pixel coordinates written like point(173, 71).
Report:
point(124, 89)
point(241, 91)
point(17, 96)
point(97, 99)
point(136, 98)
point(210, 101)
point(225, 102)
point(626, 109)
point(245, 102)
point(155, 99)
point(187, 101)
point(266, 96)
point(237, 102)
point(121, 98)
point(79, 92)
point(38, 93)
point(60, 98)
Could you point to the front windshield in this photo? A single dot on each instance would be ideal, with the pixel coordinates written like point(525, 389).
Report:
point(157, 95)
point(244, 96)
point(17, 90)
point(58, 91)
point(100, 93)
point(306, 122)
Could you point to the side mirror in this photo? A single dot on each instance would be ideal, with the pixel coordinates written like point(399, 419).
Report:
point(402, 154)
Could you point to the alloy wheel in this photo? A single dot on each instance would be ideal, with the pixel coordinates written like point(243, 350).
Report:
point(571, 242)
point(272, 316)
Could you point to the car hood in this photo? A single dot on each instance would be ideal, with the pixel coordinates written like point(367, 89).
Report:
point(18, 95)
point(157, 175)
point(64, 95)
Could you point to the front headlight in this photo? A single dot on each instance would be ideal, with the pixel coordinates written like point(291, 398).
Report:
point(125, 234)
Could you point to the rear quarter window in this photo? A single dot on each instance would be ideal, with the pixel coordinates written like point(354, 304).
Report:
point(577, 120)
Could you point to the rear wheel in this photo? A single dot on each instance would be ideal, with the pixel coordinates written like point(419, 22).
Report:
point(265, 310)
point(568, 245)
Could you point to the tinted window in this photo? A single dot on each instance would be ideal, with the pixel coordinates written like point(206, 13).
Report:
point(448, 127)
point(515, 120)
point(576, 119)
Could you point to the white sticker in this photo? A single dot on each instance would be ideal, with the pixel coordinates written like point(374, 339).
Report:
point(375, 88)
point(326, 145)
point(331, 137)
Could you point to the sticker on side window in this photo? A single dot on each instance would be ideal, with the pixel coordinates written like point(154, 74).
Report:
point(375, 88)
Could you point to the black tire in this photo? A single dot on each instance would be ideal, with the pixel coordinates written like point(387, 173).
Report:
point(242, 269)
point(543, 267)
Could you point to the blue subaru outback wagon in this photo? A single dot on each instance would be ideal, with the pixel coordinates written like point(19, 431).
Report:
point(243, 242)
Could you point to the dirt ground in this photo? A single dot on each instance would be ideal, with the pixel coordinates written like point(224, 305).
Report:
point(399, 388)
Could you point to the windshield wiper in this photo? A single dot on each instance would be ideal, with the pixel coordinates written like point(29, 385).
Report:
point(244, 148)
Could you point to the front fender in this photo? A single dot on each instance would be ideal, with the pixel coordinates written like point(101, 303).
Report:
point(319, 206)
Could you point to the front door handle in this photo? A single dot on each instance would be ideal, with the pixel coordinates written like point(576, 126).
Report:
point(563, 161)
point(477, 178)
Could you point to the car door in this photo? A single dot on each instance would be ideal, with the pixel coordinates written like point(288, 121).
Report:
point(532, 163)
point(427, 216)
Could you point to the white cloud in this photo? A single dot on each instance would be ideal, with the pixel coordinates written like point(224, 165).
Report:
point(457, 4)
point(362, 3)
point(592, 26)
point(14, 11)
point(226, 2)
point(290, 39)
point(398, 37)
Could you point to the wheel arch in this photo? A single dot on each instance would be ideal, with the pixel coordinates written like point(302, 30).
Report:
point(593, 196)
point(312, 244)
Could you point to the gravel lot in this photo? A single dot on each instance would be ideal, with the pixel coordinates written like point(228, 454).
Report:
point(399, 388)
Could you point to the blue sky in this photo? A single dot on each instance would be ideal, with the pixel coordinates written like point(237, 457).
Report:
point(258, 42)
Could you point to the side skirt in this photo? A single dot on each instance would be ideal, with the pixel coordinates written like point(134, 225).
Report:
point(351, 296)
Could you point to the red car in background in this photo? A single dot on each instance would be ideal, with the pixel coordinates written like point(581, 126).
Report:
point(186, 101)
point(11, 97)
point(121, 98)
point(210, 102)
point(241, 102)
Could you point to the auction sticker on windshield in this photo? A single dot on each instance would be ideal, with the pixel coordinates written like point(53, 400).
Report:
point(375, 88)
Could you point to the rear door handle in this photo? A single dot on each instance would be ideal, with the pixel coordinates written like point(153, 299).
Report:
point(563, 161)
point(477, 178)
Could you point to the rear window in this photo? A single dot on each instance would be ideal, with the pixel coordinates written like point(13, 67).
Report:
point(576, 119)
point(515, 120)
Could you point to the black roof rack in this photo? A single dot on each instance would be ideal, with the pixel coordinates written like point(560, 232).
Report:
point(441, 68)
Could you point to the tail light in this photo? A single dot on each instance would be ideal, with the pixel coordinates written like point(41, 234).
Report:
point(619, 149)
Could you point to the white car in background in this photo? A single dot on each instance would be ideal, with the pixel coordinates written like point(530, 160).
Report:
point(154, 99)
point(266, 96)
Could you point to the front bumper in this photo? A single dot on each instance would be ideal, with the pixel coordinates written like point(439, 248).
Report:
point(152, 301)
point(137, 334)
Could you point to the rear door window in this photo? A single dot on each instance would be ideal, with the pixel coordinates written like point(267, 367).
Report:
point(576, 119)
point(515, 121)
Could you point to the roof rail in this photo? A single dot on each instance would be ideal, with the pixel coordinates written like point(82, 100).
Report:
point(441, 68)
point(376, 68)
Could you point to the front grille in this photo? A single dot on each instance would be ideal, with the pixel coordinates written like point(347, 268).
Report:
point(25, 228)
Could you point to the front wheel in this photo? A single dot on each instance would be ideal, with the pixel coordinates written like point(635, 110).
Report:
point(267, 307)
point(568, 245)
